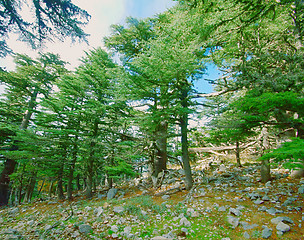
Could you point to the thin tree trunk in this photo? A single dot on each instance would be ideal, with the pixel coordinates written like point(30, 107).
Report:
point(265, 166)
point(30, 188)
point(237, 154)
point(71, 173)
point(60, 194)
point(184, 139)
point(78, 182)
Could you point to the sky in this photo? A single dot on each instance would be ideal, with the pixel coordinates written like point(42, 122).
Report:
point(103, 14)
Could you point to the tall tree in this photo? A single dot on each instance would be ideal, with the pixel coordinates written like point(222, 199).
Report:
point(32, 80)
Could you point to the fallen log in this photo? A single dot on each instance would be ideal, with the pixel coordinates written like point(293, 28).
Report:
point(223, 148)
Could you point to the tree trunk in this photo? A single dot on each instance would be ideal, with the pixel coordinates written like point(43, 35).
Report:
point(237, 154)
point(184, 139)
point(60, 194)
point(30, 188)
point(71, 173)
point(78, 182)
point(265, 167)
point(161, 158)
point(9, 168)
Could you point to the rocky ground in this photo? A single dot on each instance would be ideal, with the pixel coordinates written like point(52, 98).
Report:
point(225, 203)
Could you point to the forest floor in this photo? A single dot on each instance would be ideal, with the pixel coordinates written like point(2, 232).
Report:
point(227, 203)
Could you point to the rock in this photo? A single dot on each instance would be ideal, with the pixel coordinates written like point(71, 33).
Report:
point(235, 212)
point(267, 232)
point(111, 193)
point(282, 227)
point(263, 209)
point(258, 202)
point(98, 211)
point(184, 222)
point(268, 184)
point(297, 173)
point(233, 221)
point(281, 219)
point(222, 209)
point(160, 238)
point(247, 226)
point(246, 235)
point(272, 211)
point(301, 190)
point(127, 230)
point(165, 197)
point(114, 228)
point(85, 228)
point(266, 198)
point(118, 209)
point(222, 168)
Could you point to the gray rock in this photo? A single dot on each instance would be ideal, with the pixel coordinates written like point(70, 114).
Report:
point(85, 228)
point(258, 202)
point(160, 238)
point(111, 193)
point(165, 197)
point(233, 221)
point(247, 226)
point(98, 211)
point(282, 227)
point(235, 211)
point(262, 209)
point(246, 235)
point(114, 228)
point(222, 209)
point(272, 211)
point(118, 209)
point(301, 190)
point(281, 219)
point(184, 222)
point(297, 173)
point(266, 233)
point(266, 198)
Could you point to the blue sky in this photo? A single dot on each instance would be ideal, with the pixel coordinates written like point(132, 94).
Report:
point(104, 13)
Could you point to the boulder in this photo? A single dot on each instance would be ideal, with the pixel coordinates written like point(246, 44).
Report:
point(111, 193)
point(85, 228)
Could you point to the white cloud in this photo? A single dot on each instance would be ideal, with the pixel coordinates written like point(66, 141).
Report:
point(104, 13)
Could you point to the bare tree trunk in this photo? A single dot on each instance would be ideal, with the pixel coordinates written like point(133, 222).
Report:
point(237, 154)
point(265, 167)
point(30, 188)
point(71, 173)
point(184, 140)
point(60, 194)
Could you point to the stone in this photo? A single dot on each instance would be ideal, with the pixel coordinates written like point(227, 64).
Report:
point(281, 219)
point(165, 197)
point(118, 209)
point(85, 228)
point(160, 238)
point(246, 235)
point(301, 190)
point(297, 173)
point(268, 184)
point(114, 228)
point(184, 222)
point(262, 209)
point(266, 233)
point(247, 226)
point(282, 227)
point(111, 193)
point(235, 212)
point(233, 221)
point(258, 202)
point(222, 209)
point(98, 211)
point(266, 198)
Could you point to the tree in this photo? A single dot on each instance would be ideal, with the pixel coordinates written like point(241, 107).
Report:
point(52, 18)
point(32, 81)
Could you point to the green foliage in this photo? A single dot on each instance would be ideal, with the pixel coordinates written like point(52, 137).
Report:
point(51, 19)
point(291, 153)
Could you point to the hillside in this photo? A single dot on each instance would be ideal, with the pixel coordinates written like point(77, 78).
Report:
point(227, 203)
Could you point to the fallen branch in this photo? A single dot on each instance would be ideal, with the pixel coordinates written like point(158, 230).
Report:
point(223, 148)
